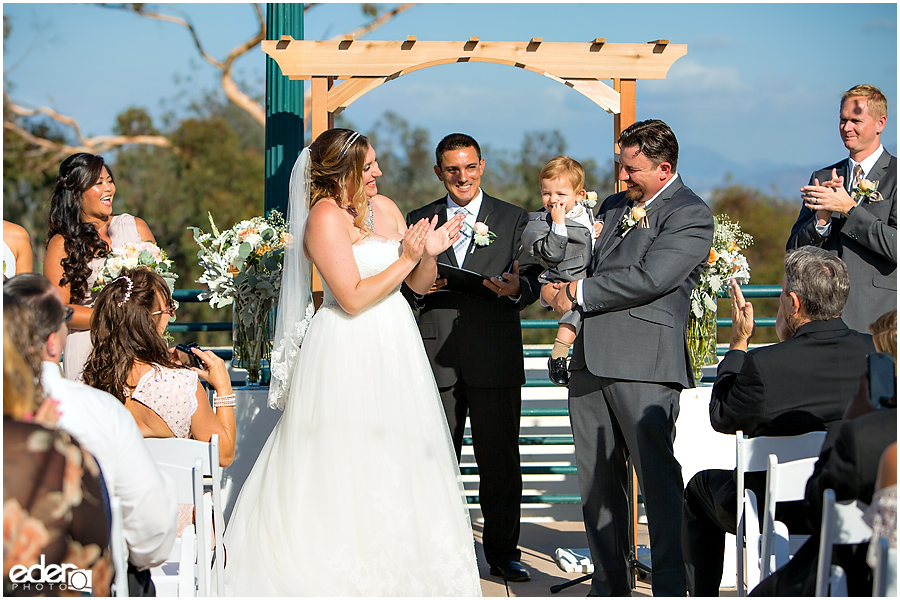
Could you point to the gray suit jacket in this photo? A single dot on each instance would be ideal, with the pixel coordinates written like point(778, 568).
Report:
point(567, 258)
point(866, 240)
point(638, 294)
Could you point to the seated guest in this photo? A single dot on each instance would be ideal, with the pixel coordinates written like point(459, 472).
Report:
point(130, 360)
point(102, 425)
point(848, 464)
point(798, 385)
point(53, 507)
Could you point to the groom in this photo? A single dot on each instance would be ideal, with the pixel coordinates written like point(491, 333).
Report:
point(474, 341)
point(630, 359)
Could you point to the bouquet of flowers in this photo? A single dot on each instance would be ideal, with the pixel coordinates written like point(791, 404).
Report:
point(132, 256)
point(725, 261)
point(242, 267)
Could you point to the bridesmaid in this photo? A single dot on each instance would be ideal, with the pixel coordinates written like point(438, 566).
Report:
point(81, 232)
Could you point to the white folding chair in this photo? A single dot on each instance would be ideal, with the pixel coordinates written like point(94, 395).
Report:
point(842, 523)
point(884, 576)
point(752, 456)
point(119, 549)
point(181, 451)
point(183, 573)
point(785, 482)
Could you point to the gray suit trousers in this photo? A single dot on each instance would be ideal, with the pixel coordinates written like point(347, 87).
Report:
point(612, 420)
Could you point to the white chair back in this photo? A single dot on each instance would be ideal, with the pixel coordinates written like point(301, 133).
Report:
point(785, 482)
point(119, 549)
point(180, 451)
point(842, 523)
point(753, 455)
point(884, 575)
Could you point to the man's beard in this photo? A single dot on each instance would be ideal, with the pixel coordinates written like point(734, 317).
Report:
point(634, 194)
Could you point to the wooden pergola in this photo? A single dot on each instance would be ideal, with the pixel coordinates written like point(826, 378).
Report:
point(363, 65)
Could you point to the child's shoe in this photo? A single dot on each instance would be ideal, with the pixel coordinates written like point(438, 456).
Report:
point(559, 371)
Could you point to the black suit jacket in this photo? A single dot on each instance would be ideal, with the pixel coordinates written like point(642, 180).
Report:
point(638, 295)
point(475, 338)
point(866, 240)
point(802, 384)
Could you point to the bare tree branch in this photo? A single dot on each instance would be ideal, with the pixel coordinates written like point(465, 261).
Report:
point(370, 27)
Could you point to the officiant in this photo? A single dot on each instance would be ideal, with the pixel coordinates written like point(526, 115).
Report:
point(473, 338)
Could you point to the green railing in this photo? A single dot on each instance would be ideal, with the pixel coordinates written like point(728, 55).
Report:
point(749, 291)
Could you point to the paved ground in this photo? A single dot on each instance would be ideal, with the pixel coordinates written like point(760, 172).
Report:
point(538, 542)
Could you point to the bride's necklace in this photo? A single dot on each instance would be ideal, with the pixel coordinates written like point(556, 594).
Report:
point(370, 220)
point(104, 226)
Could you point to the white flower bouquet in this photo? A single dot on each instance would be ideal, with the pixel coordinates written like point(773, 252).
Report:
point(133, 256)
point(725, 262)
point(242, 267)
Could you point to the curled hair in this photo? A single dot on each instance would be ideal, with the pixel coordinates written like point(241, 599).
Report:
point(884, 333)
point(82, 243)
point(22, 390)
point(654, 139)
point(339, 155)
point(123, 335)
point(41, 298)
point(820, 280)
point(875, 100)
point(455, 141)
point(565, 168)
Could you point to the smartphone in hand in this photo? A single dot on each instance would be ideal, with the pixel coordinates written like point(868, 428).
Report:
point(882, 380)
point(188, 358)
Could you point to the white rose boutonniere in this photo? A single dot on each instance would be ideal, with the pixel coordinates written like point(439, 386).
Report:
point(482, 235)
point(867, 191)
point(590, 199)
point(632, 217)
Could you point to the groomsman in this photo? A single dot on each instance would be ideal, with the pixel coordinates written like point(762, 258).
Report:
point(474, 340)
point(630, 360)
point(842, 215)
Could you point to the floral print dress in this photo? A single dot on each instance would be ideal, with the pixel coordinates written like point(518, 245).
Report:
point(55, 511)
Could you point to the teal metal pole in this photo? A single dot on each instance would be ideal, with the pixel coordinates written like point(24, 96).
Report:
point(284, 108)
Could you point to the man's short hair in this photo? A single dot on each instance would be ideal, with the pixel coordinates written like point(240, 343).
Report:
point(565, 168)
point(36, 292)
point(875, 100)
point(654, 140)
point(455, 141)
point(820, 280)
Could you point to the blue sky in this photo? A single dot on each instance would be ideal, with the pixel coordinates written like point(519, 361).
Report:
point(756, 95)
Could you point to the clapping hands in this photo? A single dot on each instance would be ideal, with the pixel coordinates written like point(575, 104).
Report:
point(827, 197)
point(443, 237)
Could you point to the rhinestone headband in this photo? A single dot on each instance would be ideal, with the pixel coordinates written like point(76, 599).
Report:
point(349, 142)
point(129, 285)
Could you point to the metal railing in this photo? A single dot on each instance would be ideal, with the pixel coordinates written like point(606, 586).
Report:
point(749, 291)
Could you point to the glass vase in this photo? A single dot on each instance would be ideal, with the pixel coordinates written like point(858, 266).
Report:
point(252, 334)
point(701, 340)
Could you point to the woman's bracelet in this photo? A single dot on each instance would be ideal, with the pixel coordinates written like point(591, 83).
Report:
point(223, 401)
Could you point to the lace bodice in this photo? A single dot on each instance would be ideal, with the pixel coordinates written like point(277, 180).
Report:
point(373, 255)
point(170, 393)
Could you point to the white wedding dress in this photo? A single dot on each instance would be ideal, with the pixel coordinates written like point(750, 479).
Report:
point(357, 491)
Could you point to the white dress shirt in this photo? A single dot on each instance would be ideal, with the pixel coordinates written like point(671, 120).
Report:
point(472, 207)
point(105, 428)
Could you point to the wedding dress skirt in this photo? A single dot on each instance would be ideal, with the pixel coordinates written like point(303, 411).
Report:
point(357, 490)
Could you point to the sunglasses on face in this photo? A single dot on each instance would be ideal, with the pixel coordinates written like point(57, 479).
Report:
point(169, 311)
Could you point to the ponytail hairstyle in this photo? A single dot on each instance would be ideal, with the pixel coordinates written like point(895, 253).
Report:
point(339, 155)
point(82, 243)
point(124, 332)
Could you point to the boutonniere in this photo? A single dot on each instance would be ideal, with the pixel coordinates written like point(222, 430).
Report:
point(868, 191)
point(590, 199)
point(481, 234)
point(636, 217)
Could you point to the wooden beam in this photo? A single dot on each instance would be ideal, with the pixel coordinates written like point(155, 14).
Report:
point(305, 59)
point(627, 116)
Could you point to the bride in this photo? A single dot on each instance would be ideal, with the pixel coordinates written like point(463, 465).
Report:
point(357, 490)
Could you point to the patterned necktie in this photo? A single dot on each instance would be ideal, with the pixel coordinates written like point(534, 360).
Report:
point(462, 244)
point(857, 177)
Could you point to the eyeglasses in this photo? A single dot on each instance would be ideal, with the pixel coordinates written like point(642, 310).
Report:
point(69, 312)
point(169, 311)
